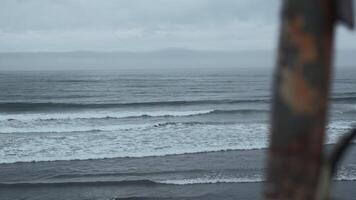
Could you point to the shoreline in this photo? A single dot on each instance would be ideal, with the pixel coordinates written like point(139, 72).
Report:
point(327, 148)
point(150, 177)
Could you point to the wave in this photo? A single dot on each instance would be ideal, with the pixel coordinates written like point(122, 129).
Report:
point(51, 106)
point(31, 106)
point(211, 181)
point(123, 174)
point(139, 182)
point(122, 115)
point(67, 128)
point(344, 99)
point(150, 154)
point(335, 94)
point(72, 129)
point(73, 81)
point(165, 124)
point(349, 111)
point(145, 182)
point(345, 178)
point(239, 111)
point(253, 179)
point(148, 182)
point(146, 140)
point(142, 155)
point(106, 128)
point(146, 155)
point(100, 115)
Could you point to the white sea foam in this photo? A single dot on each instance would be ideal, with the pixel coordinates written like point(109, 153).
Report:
point(98, 115)
point(346, 177)
point(70, 128)
point(139, 140)
point(154, 141)
point(213, 180)
point(336, 129)
point(342, 176)
point(345, 173)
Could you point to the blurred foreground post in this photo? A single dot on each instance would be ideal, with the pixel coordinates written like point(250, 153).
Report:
point(300, 98)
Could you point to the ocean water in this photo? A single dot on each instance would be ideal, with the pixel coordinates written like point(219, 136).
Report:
point(99, 114)
point(66, 116)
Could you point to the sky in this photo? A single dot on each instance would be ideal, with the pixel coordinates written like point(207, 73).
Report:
point(142, 25)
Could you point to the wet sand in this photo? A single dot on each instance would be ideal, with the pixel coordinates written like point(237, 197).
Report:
point(214, 175)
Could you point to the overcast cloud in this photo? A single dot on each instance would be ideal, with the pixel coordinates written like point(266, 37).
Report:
point(141, 25)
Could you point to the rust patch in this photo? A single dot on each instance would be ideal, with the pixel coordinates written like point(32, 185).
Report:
point(303, 41)
point(300, 97)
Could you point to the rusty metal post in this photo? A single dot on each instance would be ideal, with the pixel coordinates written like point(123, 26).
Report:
point(297, 168)
point(300, 99)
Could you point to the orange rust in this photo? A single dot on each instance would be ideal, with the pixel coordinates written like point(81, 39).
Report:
point(300, 96)
point(305, 42)
point(300, 100)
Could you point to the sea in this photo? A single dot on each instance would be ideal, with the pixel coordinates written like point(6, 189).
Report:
point(146, 134)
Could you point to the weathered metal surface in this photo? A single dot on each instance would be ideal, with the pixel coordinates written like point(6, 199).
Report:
point(345, 12)
point(300, 99)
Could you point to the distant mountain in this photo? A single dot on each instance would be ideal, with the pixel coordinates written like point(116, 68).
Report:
point(159, 59)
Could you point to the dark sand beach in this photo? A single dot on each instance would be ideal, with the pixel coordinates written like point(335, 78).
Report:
point(214, 175)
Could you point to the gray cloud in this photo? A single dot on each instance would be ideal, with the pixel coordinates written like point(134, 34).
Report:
point(108, 14)
point(135, 25)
